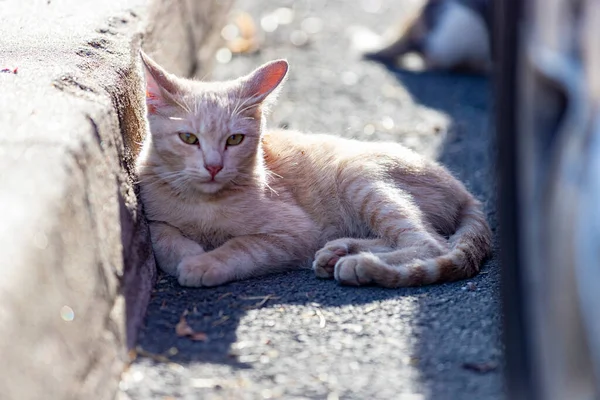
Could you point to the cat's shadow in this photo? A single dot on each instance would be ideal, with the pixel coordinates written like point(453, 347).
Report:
point(217, 312)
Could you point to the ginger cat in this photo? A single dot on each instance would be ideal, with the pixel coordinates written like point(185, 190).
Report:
point(227, 199)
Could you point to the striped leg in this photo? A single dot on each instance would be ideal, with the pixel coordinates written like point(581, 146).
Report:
point(391, 214)
point(244, 257)
point(408, 265)
point(328, 256)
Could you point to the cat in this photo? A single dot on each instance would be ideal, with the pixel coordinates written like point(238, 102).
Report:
point(228, 199)
point(449, 34)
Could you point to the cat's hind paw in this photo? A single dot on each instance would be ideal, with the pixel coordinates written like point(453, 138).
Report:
point(202, 271)
point(357, 270)
point(327, 257)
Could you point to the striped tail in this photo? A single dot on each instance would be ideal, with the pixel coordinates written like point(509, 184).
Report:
point(470, 245)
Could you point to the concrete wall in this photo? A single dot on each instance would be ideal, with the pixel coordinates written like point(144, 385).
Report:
point(76, 268)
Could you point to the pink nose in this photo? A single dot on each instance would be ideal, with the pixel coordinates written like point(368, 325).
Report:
point(213, 169)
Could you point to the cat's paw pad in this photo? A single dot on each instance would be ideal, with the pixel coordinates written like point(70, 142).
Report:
point(356, 270)
point(201, 271)
point(327, 257)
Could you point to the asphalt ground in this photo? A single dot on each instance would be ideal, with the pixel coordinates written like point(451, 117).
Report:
point(293, 336)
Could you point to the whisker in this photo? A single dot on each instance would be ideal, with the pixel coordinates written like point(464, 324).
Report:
point(184, 107)
point(248, 108)
point(238, 104)
point(269, 172)
point(271, 189)
point(238, 110)
point(197, 106)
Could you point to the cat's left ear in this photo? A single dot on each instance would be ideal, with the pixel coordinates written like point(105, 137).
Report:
point(161, 87)
point(265, 81)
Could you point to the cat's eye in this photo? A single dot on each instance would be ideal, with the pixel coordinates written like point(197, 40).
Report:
point(188, 138)
point(234, 140)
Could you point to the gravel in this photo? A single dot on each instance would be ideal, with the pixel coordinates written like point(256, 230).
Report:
point(293, 336)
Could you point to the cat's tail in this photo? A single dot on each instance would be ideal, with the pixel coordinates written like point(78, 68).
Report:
point(470, 245)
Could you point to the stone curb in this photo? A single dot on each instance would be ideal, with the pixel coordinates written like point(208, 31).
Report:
point(77, 269)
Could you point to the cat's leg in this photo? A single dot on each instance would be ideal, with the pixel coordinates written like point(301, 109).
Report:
point(287, 241)
point(247, 256)
point(382, 268)
point(391, 214)
point(406, 254)
point(170, 246)
point(411, 266)
point(328, 256)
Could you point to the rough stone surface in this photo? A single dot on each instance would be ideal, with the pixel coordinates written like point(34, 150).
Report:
point(293, 336)
point(77, 269)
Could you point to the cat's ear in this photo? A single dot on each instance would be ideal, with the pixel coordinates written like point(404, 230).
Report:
point(265, 81)
point(161, 86)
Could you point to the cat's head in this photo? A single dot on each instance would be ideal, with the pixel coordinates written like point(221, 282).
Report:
point(206, 135)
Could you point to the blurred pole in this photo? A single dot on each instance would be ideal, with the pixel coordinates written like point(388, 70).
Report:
point(588, 219)
point(544, 119)
point(506, 31)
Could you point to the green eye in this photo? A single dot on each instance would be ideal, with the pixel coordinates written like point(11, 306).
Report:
point(188, 138)
point(234, 140)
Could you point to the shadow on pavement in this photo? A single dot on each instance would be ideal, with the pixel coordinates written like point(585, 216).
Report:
point(474, 317)
point(218, 311)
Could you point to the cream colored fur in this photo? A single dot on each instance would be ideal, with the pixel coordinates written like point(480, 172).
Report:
point(361, 213)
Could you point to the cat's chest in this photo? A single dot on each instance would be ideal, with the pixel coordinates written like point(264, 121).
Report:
point(212, 224)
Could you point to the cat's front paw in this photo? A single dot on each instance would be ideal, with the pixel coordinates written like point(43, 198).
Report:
point(202, 271)
point(327, 257)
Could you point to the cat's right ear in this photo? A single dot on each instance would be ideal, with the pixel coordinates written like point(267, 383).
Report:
point(160, 85)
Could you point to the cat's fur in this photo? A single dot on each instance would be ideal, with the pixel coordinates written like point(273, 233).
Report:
point(362, 213)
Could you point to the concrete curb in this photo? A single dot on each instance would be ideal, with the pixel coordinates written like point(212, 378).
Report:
point(77, 268)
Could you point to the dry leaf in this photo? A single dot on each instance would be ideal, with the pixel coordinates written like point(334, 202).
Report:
point(246, 25)
point(199, 336)
point(183, 329)
point(247, 41)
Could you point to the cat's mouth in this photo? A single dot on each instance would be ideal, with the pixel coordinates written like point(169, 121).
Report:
point(207, 184)
point(210, 187)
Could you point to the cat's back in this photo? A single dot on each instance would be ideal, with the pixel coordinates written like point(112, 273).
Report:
point(322, 172)
point(287, 146)
point(292, 152)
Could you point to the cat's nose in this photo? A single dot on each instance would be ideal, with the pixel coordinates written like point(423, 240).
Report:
point(213, 169)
